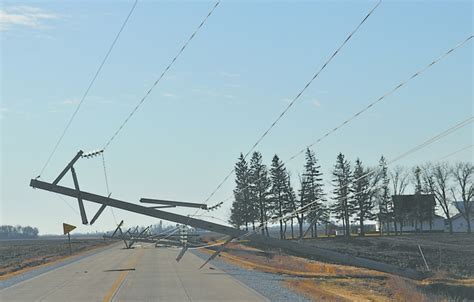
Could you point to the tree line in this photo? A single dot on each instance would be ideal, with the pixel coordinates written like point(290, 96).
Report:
point(358, 193)
point(18, 232)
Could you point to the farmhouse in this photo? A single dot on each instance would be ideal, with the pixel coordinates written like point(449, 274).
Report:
point(412, 213)
point(459, 220)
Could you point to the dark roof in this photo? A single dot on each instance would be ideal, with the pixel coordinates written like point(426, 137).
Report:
point(409, 203)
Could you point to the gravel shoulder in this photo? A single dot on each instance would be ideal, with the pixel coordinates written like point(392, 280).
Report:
point(269, 285)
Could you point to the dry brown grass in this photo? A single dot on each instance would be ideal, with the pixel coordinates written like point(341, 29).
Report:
point(336, 290)
point(406, 290)
point(330, 282)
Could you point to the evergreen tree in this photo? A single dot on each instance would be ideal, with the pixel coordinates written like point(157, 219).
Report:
point(342, 194)
point(300, 204)
point(418, 211)
point(259, 189)
point(236, 214)
point(364, 187)
point(279, 198)
point(417, 180)
point(314, 194)
point(384, 199)
point(291, 206)
point(242, 211)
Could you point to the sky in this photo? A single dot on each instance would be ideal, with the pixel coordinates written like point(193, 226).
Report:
point(232, 81)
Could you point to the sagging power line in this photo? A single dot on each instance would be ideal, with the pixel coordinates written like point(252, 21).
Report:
point(306, 207)
point(142, 100)
point(295, 99)
point(456, 152)
point(378, 100)
point(86, 92)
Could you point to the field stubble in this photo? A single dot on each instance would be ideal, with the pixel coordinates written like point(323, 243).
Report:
point(18, 255)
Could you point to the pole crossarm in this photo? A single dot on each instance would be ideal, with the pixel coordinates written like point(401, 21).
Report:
point(79, 197)
point(175, 203)
point(69, 166)
point(293, 247)
point(197, 223)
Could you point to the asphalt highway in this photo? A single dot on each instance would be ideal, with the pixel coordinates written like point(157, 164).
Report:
point(144, 273)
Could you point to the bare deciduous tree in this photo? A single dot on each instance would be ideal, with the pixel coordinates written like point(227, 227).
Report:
point(400, 180)
point(463, 178)
point(436, 181)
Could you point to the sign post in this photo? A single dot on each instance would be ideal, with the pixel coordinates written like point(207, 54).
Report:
point(67, 228)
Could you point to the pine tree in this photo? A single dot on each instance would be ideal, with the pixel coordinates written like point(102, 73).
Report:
point(419, 214)
point(236, 215)
point(384, 199)
point(259, 187)
point(342, 192)
point(364, 187)
point(278, 176)
point(314, 194)
point(300, 204)
point(291, 206)
point(242, 211)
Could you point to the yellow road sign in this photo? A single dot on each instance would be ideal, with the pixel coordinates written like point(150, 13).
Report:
point(67, 228)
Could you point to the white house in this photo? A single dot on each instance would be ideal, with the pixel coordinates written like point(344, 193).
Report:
point(437, 225)
point(407, 210)
point(459, 221)
point(410, 225)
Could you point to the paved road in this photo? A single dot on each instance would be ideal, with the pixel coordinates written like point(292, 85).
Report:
point(141, 274)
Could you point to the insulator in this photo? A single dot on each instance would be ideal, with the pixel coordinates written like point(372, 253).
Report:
point(92, 154)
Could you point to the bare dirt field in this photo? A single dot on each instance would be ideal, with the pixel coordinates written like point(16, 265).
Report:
point(450, 254)
point(16, 255)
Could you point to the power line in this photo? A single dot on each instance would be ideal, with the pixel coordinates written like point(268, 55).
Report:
point(295, 99)
point(306, 207)
point(88, 89)
point(456, 152)
point(401, 84)
point(107, 186)
point(390, 92)
point(67, 203)
point(439, 136)
point(160, 77)
point(418, 147)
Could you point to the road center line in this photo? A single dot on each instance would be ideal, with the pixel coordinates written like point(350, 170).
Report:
point(121, 277)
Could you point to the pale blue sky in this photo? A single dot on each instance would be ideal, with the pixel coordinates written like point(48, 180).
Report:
point(231, 82)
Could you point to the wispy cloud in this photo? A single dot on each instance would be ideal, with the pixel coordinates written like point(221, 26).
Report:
point(26, 17)
point(3, 110)
point(169, 95)
point(215, 94)
point(69, 101)
point(229, 74)
point(314, 101)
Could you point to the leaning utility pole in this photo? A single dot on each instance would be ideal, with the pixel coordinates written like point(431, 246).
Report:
point(296, 248)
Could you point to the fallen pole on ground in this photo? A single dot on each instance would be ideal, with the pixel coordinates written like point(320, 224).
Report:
point(296, 248)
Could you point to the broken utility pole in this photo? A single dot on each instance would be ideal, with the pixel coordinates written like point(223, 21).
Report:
point(293, 247)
